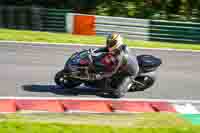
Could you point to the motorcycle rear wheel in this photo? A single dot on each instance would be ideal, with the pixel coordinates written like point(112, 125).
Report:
point(66, 83)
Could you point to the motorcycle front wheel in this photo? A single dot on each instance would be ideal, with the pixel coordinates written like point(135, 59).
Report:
point(121, 88)
point(64, 82)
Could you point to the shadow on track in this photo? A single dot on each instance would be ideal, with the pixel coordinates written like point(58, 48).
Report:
point(65, 92)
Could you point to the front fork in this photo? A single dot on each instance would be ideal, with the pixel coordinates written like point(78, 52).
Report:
point(134, 84)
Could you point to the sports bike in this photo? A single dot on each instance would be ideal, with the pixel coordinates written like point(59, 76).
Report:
point(80, 68)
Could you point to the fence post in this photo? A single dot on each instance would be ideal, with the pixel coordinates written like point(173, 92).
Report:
point(70, 22)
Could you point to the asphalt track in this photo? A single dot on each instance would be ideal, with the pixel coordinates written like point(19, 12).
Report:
point(28, 70)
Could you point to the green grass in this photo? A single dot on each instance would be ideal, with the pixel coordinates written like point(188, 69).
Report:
point(30, 127)
point(19, 35)
point(95, 123)
point(115, 120)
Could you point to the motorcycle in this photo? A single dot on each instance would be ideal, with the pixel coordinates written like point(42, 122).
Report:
point(80, 67)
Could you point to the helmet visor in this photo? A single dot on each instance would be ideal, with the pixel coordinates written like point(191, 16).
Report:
point(111, 43)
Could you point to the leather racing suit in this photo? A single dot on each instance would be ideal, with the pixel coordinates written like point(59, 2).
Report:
point(108, 64)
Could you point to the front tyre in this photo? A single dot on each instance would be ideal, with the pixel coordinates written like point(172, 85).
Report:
point(122, 88)
point(147, 80)
point(62, 81)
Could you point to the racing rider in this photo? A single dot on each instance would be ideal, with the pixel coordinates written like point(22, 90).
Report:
point(112, 57)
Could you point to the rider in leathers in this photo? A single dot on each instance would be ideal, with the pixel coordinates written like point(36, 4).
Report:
point(114, 58)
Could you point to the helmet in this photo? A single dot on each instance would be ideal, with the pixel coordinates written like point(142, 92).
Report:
point(114, 41)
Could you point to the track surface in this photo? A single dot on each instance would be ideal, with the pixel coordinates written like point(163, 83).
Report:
point(28, 70)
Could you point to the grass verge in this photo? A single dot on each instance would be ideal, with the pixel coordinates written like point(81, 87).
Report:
point(95, 123)
point(20, 35)
point(123, 120)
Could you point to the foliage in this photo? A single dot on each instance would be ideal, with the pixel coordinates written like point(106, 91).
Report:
point(188, 10)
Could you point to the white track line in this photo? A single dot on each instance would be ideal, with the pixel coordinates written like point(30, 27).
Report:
point(71, 44)
point(100, 99)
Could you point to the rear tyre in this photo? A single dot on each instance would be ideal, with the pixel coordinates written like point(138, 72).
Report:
point(122, 87)
point(66, 83)
point(59, 77)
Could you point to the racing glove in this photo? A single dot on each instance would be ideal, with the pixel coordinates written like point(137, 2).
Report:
point(98, 77)
point(95, 77)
